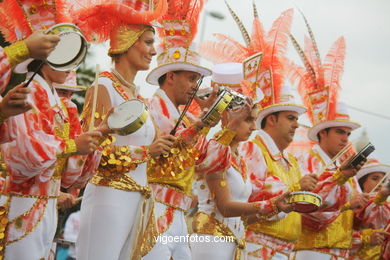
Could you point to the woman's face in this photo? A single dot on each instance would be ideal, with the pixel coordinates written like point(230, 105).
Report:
point(141, 53)
point(372, 180)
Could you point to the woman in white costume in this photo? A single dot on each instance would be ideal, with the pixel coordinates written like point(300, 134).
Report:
point(113, 200)
point(224, 190)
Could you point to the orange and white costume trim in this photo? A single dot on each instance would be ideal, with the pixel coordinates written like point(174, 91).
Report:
point(216, 158)
point(38, 162)
point(172, 193)
point(104, 218)
point(272, 173)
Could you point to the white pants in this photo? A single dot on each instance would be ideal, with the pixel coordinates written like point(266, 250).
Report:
point(107, 218)
point(204, 247)
point(254, 247)
point(311, 255)
point(37, 244)
point(166, 247)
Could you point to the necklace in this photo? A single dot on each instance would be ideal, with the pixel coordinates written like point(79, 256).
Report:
point(134, 89)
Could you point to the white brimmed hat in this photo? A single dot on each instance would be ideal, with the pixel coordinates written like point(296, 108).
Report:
point(372, 165)
point(177, 52)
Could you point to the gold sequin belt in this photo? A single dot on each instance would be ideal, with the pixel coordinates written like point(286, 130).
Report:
point(171, 196)
point(123, 182)
point(209, 225)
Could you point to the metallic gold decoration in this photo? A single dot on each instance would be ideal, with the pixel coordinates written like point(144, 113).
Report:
point(176, 55)
point(17, 53)
point(222, 183)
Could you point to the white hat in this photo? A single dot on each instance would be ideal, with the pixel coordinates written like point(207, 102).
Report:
point(372, 165)
point(227, 74)
point(177, 53)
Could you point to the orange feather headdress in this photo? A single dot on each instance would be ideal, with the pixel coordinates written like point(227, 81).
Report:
point(271, 70)
point(121, 21)
point(176, 51)
point(20, 18)
point(319, 84)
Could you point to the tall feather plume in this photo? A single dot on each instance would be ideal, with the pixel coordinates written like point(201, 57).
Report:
point(184, 10)
point(278, 37)
point(333, 70)
point(305, 61)
point(311, 37)
point(225, 49)
point(241, 26)
point(311, 56)
point(257, 42)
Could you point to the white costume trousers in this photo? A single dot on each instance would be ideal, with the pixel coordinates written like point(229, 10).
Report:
point(208, 247)
point(167, 247)
point(311, 255)
point(37, 244)
point(107, 218)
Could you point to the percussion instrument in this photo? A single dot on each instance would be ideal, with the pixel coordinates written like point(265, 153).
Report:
point(222, 102)
point(70, 51)
point(238, 99)
point(304, 201)
point(128, 117)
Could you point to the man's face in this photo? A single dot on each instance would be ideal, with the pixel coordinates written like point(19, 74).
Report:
point(334, 139)
point(185, 83)
point(286, 124)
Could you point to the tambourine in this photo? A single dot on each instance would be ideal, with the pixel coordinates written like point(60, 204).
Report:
point(70, 51)
point(304, 201)
point(238, 99)
point(128, 117)
point(218, 107)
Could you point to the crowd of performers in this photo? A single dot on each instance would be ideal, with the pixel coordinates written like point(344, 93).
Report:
point(143, 185)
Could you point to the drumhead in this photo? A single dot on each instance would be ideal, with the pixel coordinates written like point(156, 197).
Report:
point(216, 103)
point(67, 49)
point(125, 114)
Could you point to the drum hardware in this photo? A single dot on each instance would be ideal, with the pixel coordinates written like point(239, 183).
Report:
point(238, 99)
point(304, 201)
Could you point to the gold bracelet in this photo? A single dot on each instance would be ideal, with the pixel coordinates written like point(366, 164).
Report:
point(225, 136)
point(3, 117)
point(346, 206)
point(380, 199)
point(17, 53)
point(295, 187)
point(70, 148)
point(365, 235)
point(275, 210)
point(339, 178)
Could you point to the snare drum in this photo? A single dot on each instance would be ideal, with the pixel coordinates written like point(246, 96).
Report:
point(128, 117)
point(70, 51)
point(218, 107)
point(304, 201)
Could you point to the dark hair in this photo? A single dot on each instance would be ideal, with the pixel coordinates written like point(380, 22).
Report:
point(318, 134)
point(264, 119)
point(162, 79)
point(33, 66)
point(362, 180)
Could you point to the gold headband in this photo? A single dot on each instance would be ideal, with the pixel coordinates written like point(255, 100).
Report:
point(125, 36)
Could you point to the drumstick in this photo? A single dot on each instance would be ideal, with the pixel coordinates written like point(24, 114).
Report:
point(335, 158)
point(33, 75)
point(95, 92)
point(79, 199)
point(173, 132)
point(379, 183)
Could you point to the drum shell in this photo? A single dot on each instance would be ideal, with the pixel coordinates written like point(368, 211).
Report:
point(218, 107)
point(132, 126)
point(75, 62)
point(305, 202)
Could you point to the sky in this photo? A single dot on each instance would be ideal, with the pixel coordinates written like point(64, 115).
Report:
point(365, 26)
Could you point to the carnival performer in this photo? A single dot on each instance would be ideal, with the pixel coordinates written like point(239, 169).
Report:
point(178, 75)
point(319, 86)
point(45, 152)
point(271, 169)
point(369, 234)
point(225, 186)
point(116, 202)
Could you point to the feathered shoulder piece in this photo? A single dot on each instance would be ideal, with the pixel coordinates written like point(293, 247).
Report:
point(319, 82)
point(98, 18)
point(20, 18)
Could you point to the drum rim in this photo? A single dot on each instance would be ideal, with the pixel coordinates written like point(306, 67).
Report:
point(138, 117)
point(216, 103)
